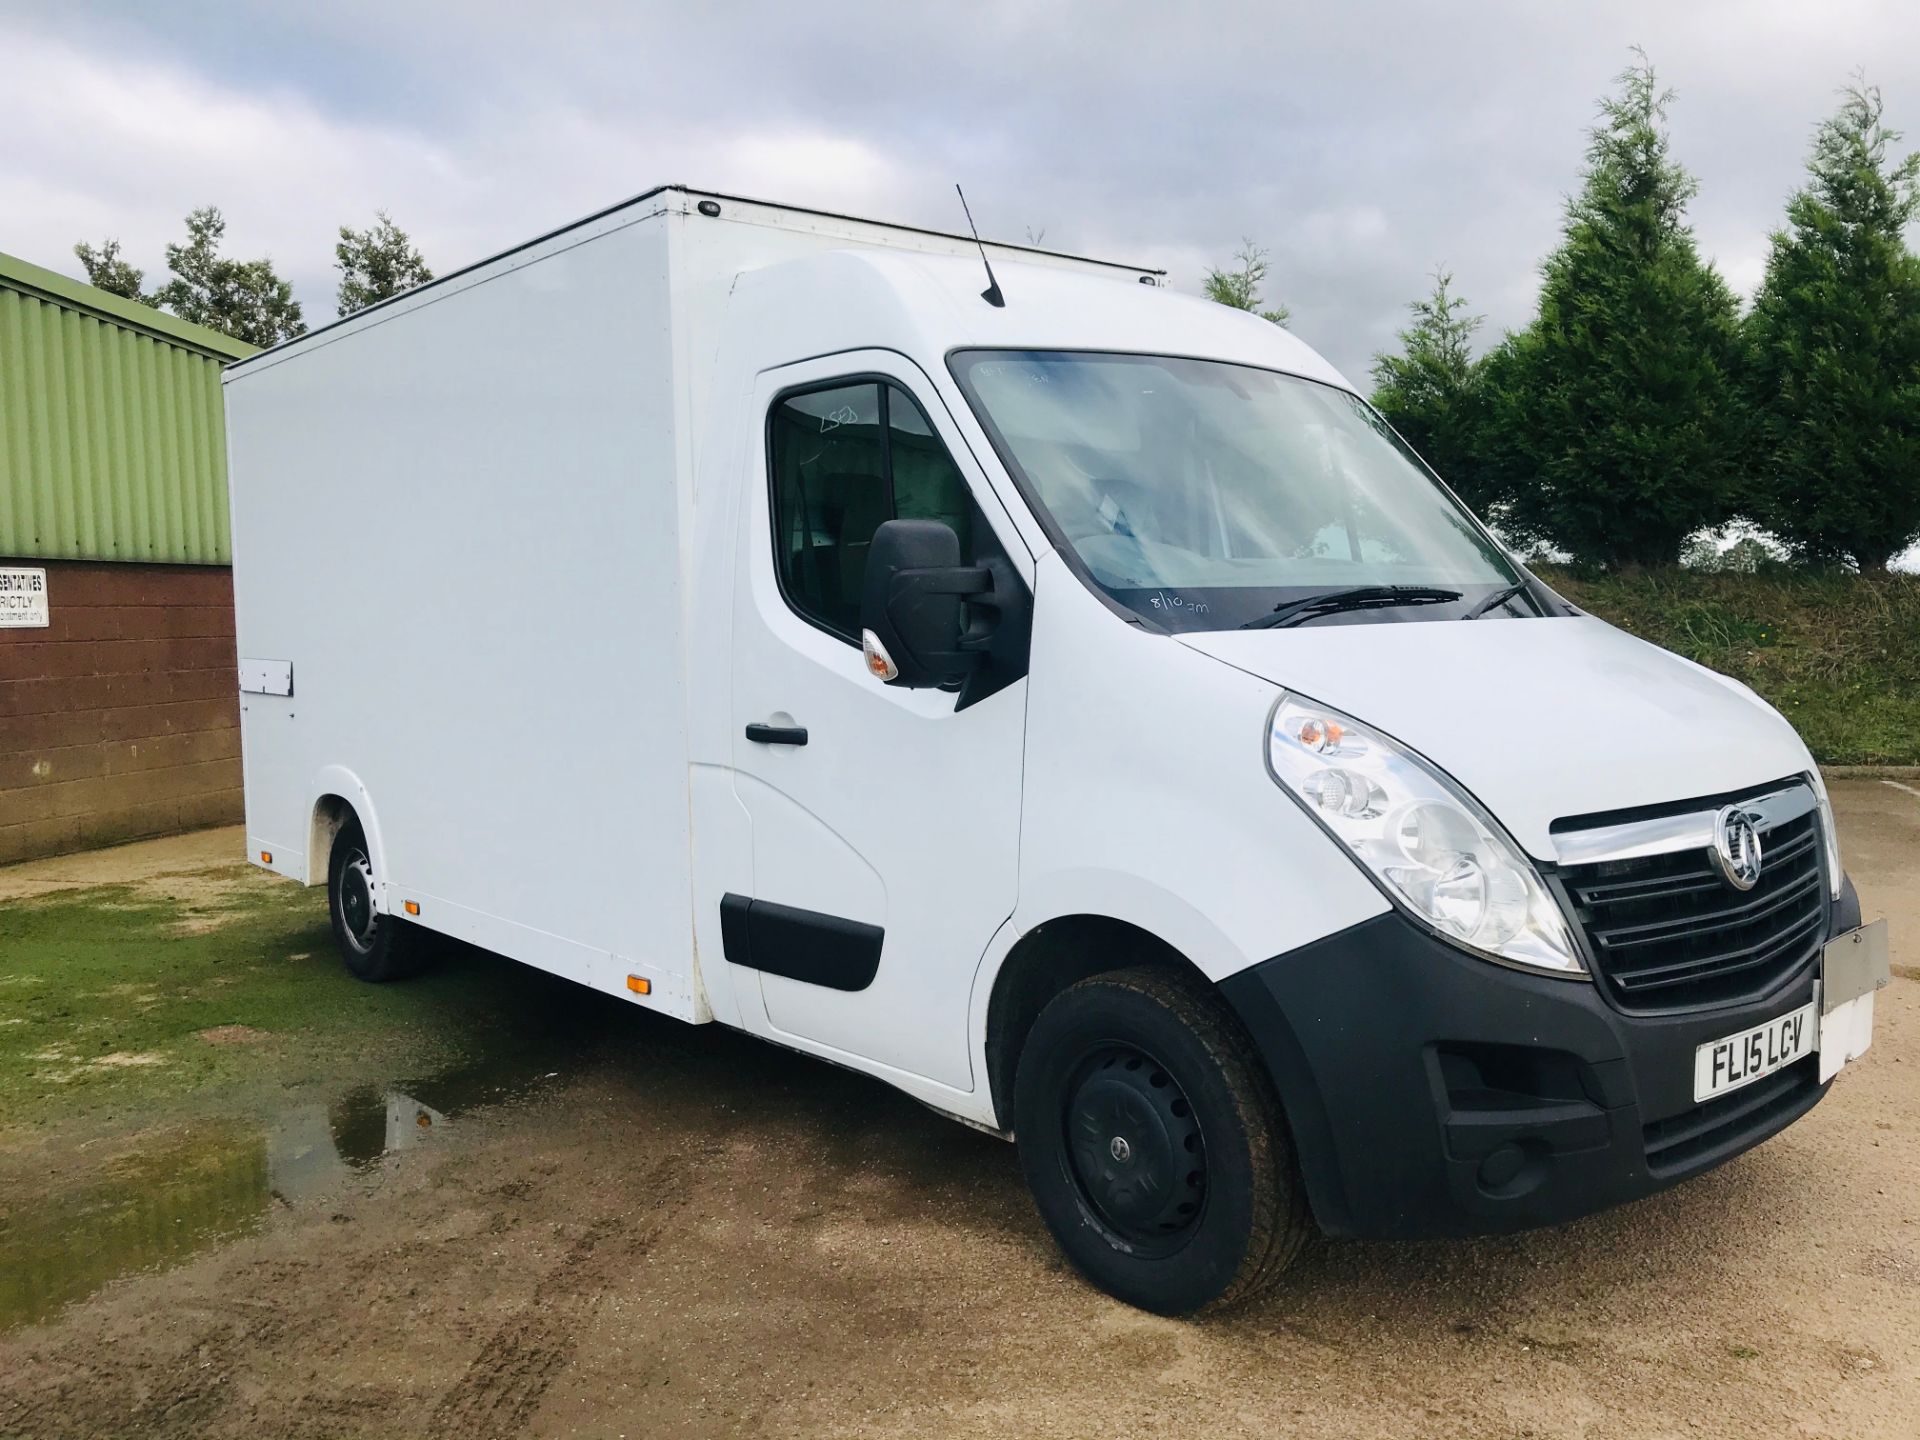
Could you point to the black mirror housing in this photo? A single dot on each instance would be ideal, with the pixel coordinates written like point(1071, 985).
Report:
point(914, 602)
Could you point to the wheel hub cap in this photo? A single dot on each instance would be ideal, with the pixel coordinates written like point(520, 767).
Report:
point(356, 902)
point(1135, 1147)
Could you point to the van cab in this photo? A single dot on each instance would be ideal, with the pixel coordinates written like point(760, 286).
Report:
point(1082, 712)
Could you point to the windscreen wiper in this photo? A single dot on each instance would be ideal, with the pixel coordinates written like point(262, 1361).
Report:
point(1495, 600)
point(1355, 597)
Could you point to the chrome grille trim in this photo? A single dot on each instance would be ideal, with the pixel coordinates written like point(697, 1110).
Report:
point(1668, 834)
point(1663, 929)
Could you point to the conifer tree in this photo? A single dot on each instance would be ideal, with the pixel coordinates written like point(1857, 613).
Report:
point(1430, 391)
point(1834, 340)
point(1239, 288)
point(1615, 417)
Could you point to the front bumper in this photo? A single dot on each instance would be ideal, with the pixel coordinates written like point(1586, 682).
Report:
point(1431, 1093)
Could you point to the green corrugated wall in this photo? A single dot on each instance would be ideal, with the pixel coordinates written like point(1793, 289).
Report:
point(112, 445)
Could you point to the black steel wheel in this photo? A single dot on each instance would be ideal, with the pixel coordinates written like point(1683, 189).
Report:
point(1154, 1144)
point(1135, 1149)
point(376, 947)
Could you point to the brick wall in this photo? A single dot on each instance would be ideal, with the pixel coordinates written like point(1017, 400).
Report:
point(121, 719)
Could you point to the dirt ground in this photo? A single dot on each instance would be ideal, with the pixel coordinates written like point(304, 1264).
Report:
point(594, 1222)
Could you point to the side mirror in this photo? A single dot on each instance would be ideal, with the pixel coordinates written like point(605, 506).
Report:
point(912, 607)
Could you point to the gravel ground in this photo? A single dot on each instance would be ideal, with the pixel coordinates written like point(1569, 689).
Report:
point(644, 1230)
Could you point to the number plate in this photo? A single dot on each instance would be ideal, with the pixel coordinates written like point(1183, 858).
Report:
point(1720, 1066)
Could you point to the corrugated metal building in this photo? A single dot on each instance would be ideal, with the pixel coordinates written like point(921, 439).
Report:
point(118, 711)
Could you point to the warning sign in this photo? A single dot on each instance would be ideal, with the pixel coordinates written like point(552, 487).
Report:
point(23, 600)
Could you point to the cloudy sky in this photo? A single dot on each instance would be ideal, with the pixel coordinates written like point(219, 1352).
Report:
point(1361, 143)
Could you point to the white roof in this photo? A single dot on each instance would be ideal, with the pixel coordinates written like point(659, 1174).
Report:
point(926, 306)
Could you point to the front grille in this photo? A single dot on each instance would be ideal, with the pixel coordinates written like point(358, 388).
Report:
point(1667, 933)
point(1712, 1130)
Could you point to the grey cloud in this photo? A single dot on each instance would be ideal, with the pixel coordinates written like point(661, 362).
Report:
point(1362, 144)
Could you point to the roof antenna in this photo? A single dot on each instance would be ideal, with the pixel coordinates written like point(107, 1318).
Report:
point(992, 293)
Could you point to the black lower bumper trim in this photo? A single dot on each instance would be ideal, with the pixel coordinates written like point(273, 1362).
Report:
point(1695, 1138)
point(1433, 1093)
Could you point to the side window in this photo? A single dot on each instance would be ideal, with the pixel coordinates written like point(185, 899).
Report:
point(844, 459)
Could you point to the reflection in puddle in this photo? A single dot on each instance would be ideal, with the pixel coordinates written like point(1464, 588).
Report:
point(160, 1207)
point(153, 1211)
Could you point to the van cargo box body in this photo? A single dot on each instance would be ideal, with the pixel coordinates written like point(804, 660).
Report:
point(1065, 701)
point(465, 524)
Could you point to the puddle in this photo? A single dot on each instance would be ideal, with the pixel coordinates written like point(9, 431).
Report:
point(150, 1212)
point(162, 1206)
point(313, 1148)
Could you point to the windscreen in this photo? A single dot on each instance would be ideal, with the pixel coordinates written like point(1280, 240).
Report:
point(1204, 495)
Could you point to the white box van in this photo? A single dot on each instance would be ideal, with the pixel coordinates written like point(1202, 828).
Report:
point(1080, 711)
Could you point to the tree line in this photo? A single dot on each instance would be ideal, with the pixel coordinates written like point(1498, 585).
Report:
point(247, 299)
point(1641, 405)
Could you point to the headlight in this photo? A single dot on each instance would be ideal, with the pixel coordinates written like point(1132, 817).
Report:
point(1428, 844)
point(1828, 830)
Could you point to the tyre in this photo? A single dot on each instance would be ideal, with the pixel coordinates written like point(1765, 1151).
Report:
point(376, 947)
point(1155, 1146)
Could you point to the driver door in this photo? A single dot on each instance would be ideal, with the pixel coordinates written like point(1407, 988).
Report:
point(885, 823)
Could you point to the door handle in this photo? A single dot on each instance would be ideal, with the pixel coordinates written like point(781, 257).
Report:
point(777, 734)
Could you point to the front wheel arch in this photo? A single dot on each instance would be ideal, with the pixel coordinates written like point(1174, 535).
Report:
point(1046, 960)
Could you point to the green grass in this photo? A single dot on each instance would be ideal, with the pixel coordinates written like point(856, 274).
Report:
point(139, 1123)
point(1838, 655)
point(106, 995)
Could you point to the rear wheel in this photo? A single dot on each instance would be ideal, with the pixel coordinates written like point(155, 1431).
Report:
point(376, 947)
point(1154, 1145)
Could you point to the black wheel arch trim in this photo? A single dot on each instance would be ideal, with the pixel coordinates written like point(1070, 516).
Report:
point(1278, 1047)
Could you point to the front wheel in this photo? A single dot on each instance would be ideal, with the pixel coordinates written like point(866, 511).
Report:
point(1154, 1146)
point(376, 947)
